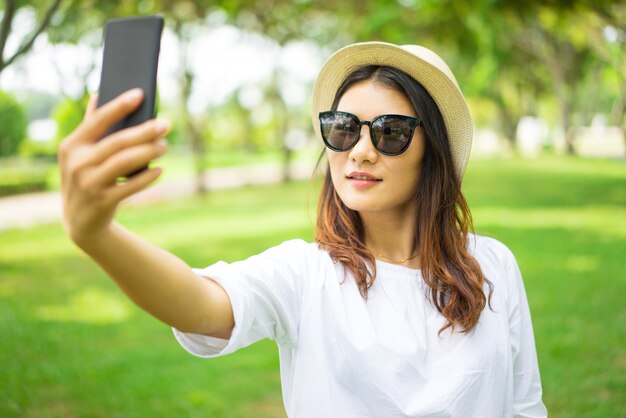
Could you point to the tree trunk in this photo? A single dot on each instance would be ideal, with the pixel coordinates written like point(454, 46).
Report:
point(198, 147)
point(566, 122)
point(507, 119)
point(508, 126)
point(282, 113)
point(563, 94)
point(190, 127)
point(561, 59)
point(248, 127)
point(617, 116)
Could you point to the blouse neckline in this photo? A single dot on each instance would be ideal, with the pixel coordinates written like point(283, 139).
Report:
point(397, 268)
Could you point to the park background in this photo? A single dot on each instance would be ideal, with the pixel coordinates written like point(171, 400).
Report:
point(546, 84)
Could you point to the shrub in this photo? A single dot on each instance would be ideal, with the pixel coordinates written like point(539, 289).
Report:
point(23, 176)
point(68, 114)
point(13, 124)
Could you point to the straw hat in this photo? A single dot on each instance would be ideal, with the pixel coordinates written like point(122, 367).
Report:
point(420, 63)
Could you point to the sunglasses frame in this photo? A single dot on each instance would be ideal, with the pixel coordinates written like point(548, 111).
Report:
point(413, 123)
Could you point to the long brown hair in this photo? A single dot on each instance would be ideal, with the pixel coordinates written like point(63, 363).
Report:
point(443, 217)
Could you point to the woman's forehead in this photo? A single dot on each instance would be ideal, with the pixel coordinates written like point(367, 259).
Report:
point(367, 99)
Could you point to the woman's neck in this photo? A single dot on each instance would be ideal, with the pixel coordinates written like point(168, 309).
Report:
point(391, 238)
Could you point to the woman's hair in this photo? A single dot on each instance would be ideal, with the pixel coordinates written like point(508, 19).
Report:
point(442, 214)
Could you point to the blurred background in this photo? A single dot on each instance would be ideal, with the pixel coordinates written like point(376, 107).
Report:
point(546, 84)
point(235, 76)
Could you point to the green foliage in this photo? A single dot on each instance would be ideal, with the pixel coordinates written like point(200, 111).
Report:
point(517, 55)
point(38, 150)
point(13, 124)
point(175, 136)
point(23, 176)
point(68, 114)
point(227, 130)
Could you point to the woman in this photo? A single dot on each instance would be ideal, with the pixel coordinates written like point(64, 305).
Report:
point(396, 309)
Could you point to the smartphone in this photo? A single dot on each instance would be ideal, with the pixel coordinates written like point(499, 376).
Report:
point(129, 60)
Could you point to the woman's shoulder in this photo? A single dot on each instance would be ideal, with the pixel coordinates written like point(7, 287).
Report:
point(482, 245)
point(296, 247)
point(294, 252)
point(496, 260)
point(494, 257)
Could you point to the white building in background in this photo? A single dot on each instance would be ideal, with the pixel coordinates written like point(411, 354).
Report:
point(42, 130)
point(487, 143)
point(600, 140)
point(595, 141)
point(532, 135)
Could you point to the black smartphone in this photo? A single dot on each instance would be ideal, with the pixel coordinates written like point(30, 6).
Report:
point(129, 60)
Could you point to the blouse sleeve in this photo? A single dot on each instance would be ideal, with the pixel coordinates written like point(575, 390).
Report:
point(527, 402)
point(265, 292)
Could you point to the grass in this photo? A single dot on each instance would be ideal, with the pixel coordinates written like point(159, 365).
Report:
point(73, 346)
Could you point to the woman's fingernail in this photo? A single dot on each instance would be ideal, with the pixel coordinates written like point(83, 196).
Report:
point(161, 126)
point(133, 95)
point(162, 143)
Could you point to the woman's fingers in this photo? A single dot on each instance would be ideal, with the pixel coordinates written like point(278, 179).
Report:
point(91, 105)
point(133, 185)
point(127, 138)
point(124, 162)
point(98, 121)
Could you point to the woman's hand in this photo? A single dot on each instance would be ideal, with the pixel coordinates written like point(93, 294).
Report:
point(90, 169)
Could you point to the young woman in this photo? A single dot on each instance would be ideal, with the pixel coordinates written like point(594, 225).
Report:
point(395, 310)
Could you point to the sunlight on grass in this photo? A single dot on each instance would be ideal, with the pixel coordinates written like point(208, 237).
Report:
point(604, 220)
point(7, 288)
point(582, 263)
point(25, 245)
point(89, 306)
point(232, 226)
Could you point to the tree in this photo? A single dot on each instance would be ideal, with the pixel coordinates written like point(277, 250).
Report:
point(185, 20)
point(553, 39)
point(608, 41)
point(12, 125)
point(515, 54)
point(8, 14)
point(282, 21)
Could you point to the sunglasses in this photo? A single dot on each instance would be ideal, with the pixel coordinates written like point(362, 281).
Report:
point(390, 134)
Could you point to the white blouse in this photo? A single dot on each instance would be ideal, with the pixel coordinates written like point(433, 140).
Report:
point(344, 356)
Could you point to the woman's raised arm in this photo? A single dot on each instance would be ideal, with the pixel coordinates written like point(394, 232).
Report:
point(154, 279)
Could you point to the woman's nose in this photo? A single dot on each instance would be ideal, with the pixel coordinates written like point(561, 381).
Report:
point(364, 149)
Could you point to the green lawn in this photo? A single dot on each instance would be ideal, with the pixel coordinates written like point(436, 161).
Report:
point(72, 346)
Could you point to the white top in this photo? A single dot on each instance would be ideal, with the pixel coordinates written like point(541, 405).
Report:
point(344, 356)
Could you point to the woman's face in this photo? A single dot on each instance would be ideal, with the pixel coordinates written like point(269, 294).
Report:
point(365, 179)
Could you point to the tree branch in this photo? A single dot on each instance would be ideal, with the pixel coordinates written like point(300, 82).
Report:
point(7, 19)
point(42, 26)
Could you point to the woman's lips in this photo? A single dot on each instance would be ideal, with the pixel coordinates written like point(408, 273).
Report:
point(362, 180)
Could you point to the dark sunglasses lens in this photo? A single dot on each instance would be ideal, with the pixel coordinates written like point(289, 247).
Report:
point(391, 134)
point(339, 131)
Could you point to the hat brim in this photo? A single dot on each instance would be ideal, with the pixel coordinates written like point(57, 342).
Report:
point(428, 69)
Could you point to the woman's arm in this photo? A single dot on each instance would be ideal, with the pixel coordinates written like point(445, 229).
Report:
point(156, 280)
point(527, 390)
point(162, 284)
